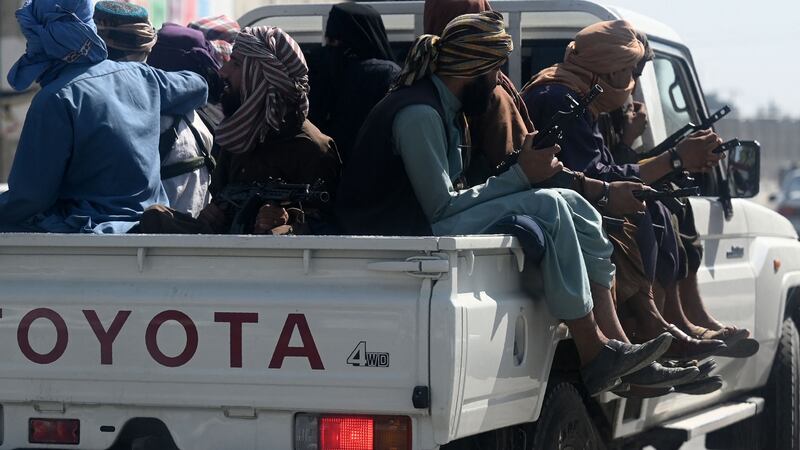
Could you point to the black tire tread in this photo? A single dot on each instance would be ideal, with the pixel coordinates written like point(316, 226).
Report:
point(562, 396)
point(786, 405)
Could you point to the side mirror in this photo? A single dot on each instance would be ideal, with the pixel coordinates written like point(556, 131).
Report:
point(744, 169)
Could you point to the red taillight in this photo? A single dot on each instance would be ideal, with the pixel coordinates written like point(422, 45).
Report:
point(787, 211)
point(340, 432)
point(54, 431)
point(345, 433)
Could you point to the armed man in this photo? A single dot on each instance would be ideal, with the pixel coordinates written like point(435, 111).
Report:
point(265, 137)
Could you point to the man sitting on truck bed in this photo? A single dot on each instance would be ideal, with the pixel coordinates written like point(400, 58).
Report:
point(410, 146)
point(185, 141)
point(87, 160)
point(501, 128)
point(265, 135)
point(612, 54)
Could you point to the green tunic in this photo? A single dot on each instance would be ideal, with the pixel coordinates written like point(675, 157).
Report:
point(577, 250)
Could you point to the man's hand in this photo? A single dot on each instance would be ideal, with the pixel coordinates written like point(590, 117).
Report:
point(635, 121)
point(696, 151)
point(269, 217)
point(214, 216)
point(621, 201)
point(539, 164)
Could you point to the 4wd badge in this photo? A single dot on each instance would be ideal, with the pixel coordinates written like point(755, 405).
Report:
point(360, 357)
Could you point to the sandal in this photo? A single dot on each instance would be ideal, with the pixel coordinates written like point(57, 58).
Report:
point(744, 348)
point(685, 347)
point(701, 387)
point(728, 334)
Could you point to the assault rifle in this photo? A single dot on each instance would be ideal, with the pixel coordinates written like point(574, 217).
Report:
point(243, 200)
point(726, 146)
point(682, 133)
point(553, 133)
point(668, 198)
point(646, 195)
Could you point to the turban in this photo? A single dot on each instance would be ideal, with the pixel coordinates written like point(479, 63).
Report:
point(221, 31)
point(470, 46)
point(599, 49)
point(182, 48)
point(438, 13)
point(126, 29)
point(58, 32)
point(274, 88)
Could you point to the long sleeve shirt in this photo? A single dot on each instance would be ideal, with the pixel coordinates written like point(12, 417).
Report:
point(87, 159)
point(432, 159)
point(583, 148)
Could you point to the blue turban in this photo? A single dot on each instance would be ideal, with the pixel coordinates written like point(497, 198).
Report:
point(58, 32)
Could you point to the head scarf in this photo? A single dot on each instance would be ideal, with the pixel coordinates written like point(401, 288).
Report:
point(598, 50)
point(360, 29)
point(126, 29)
point(649, 55)
point(470, 46)
point(221, 31)
point(182, 48)
point(438, 13)
point(274, 88)
point(58, 32)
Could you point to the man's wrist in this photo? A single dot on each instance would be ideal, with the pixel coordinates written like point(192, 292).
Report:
point(675, 160)
point(602, 202)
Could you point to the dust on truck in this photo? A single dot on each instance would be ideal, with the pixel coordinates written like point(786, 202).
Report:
point(334, 342)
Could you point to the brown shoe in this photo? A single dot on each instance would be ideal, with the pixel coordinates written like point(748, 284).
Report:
point(685, 347)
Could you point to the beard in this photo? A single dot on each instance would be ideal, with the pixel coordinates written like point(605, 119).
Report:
point(229, 100)
point(477, 95)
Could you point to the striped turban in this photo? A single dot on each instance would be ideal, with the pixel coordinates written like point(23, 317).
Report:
point(470, 46)
point(274, 88)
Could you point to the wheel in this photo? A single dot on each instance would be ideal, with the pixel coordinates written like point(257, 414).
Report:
point(564, 423)
point(783, 393)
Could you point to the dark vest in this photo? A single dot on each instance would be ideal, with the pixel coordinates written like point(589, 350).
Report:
point(375, 196)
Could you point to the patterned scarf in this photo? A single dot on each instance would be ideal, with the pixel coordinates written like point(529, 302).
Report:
point(470, 46)
point(221, 31)
point(274, 89)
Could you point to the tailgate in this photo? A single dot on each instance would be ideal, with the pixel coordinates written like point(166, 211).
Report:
point(236, 323)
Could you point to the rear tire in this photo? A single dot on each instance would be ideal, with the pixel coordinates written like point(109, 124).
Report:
point(565, 423)
point(781, 417)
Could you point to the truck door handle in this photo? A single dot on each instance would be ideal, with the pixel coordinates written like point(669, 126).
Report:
point(735, 253)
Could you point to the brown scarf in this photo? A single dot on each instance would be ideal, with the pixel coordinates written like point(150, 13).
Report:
point(597, 51)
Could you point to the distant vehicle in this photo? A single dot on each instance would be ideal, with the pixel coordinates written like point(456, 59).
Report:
point(788, 199)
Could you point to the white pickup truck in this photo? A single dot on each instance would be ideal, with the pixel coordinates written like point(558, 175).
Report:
point(245, 342)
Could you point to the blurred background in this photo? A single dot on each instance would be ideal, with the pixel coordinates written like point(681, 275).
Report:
point(741, 49)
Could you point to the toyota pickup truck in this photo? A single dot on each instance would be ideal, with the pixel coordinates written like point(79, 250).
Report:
point(348, 342)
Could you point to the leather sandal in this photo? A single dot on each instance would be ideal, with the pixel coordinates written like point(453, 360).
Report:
point(644, 392)
point(657, 375)
point(686, 347)
point(728, 334)
point(744, 348)
point(701, 387)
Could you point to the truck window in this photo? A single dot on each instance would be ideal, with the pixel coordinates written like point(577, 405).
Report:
point(672, 84)
point(676, 92)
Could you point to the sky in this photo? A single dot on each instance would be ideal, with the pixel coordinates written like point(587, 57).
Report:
point(741, 47)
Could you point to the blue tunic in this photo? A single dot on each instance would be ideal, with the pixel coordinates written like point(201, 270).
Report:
point(88, 159)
